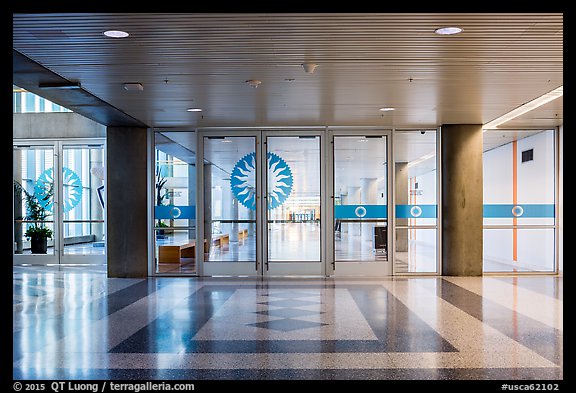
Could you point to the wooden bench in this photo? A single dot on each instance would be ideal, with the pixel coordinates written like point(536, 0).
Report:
point(171, 253)
point(221, 240)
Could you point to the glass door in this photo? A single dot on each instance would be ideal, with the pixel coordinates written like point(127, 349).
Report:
point(35, 204)
point(292, 203)
point(59, 202)
point(230, 177)
point(360, 203)
point(82, 208)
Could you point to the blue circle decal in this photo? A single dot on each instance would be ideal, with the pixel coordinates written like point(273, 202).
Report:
point(243, 181)
point(72, 189)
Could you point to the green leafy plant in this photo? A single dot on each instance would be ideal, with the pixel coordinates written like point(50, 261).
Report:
point(40, 232)
point(35, 210)
point(160, 196)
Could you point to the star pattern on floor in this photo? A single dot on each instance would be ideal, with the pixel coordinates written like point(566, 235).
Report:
point(287, 309)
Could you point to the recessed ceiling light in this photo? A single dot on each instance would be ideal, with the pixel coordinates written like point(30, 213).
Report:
point(194, 109)
point(253, 83)
point(309, 68)
point(449, 30)
point(116, 34)
point(387, 109)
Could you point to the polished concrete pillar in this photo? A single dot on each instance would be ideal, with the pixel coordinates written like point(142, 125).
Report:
point(127, 202)
point(462, 200)
point(401, 198)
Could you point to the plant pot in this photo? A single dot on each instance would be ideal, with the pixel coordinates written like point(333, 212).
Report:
point(39, 244)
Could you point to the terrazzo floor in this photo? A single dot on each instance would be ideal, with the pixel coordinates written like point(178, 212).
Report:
point(77, 324)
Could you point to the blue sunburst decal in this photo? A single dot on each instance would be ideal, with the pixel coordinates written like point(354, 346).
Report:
point(243, 181)
point(72, 189)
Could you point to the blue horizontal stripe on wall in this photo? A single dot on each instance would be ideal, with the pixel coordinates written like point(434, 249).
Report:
point(360, 211)
point(519, 211)
point(175, 212)
point(416, 211)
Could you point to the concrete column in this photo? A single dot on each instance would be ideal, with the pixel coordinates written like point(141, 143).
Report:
point(353, 198)
point(462, 200)
point(401, 198)
point(368, 196)
point(208, 205)
point(127, 202)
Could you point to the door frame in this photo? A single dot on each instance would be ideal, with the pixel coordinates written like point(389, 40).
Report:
point(262, 267)
point(205, 268)
point(58, 257)
point(295, 268)
point(359, 268)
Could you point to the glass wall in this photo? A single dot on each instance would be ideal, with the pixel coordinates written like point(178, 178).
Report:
point(416, 204)
point(519, 200)
point(175, 202)
point(360, 198)
point(293, 198)
point(25, 102)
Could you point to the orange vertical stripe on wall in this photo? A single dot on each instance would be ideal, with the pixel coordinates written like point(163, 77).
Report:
point(514, 199)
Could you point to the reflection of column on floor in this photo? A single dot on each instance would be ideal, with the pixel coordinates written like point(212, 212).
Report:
point(96, 211)
point(369, 195)
point(17, 174)
point(192, 198)
point(402, 191)
point(353, 198)
point(208, 205)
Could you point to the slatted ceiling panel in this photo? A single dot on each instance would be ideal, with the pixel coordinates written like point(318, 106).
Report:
point(500, 61)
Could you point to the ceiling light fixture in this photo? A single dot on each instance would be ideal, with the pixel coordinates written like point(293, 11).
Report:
point(133, 86)
point(116, 34)
point(309, 68)
point(449, 30)
point(387, 109)
point(254, 83)
point(525, 108)
point(59, 85)
point(194, 110)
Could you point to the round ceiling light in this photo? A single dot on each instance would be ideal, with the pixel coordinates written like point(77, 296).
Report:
point(253, 83)
point(194, 109)
point(116, 34)
point(449, 30)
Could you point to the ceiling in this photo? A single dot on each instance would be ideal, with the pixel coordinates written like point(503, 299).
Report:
point(366, 61)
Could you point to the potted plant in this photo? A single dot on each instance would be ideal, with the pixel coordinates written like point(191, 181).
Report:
point(38, 233)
